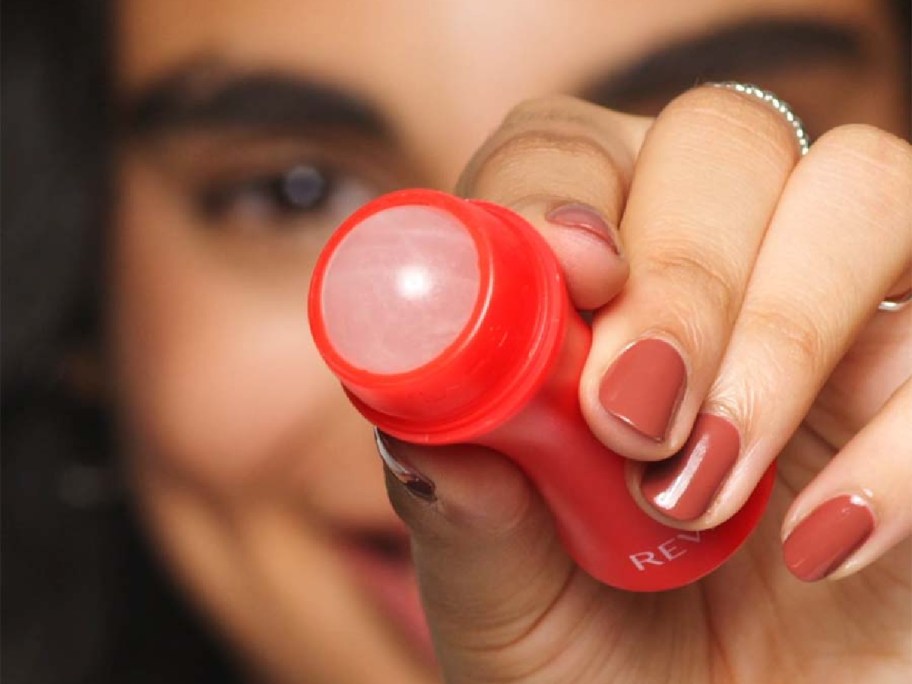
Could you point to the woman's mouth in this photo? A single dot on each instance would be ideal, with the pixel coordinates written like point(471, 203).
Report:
point(382, 566)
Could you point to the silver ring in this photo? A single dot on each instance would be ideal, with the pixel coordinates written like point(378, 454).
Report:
point(890, 304)
point(897, 303)
point(804, 142)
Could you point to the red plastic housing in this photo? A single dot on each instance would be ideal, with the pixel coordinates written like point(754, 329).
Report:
point(510, 382)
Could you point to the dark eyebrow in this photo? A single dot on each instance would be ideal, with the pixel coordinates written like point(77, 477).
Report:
point(728, 53)
point(211, 95)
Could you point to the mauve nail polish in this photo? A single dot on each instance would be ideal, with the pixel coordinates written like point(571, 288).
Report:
point(585, 218)
point(415, 482)
point(826, 538)
point(682, 487)
point(644, 386)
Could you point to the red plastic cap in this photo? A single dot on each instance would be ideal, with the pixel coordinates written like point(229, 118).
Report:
point(420, 306)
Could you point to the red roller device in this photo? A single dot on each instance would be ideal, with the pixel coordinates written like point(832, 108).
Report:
point(447, 321)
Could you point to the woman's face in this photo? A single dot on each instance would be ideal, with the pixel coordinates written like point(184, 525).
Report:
point(250, 129)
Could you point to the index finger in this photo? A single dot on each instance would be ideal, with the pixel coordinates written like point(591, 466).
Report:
point(565, 165)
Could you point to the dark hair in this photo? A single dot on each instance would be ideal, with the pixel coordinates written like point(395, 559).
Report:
point(902, 11)
point(83, 600)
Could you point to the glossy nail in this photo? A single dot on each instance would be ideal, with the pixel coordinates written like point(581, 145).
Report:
point(682, 487)
point(644, 387)
point(415, 482)
point(826, 538)
point(587, 219)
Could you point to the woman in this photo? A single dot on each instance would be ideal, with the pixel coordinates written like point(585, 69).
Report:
point(248, 131)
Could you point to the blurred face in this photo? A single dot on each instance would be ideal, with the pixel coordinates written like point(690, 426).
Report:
point(250, 130)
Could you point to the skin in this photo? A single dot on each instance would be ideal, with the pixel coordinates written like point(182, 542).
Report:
point(253, 473)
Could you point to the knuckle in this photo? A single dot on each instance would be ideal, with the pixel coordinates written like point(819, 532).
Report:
point(713, 280)
point(790, 336)
point(533, 161)
point(534, 141)
point(866, 174)
point(538, 159)
point(868, 153)
point(547, 145)
point(545, 109)
point(742, 120)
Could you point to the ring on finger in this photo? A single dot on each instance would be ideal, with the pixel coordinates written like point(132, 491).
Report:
point(890, 304)
point(896, 303)
point(777, 103)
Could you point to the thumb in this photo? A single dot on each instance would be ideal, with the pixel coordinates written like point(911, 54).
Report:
point(565, 165)
point(492, 572)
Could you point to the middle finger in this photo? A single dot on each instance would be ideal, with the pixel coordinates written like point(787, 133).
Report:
point(705, 186)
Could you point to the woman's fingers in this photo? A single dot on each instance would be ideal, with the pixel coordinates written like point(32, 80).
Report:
point(565, 165)
point(489, 563)
point(707, 181)
point(840, 239)
point(858, 507)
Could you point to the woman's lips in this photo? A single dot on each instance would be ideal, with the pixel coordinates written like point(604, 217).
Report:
point(382, 566)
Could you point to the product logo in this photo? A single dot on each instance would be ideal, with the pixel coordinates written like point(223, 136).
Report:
point(667, 551)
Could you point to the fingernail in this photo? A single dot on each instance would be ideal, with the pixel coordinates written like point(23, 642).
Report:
point(416, 483)
point(683, 486)
point(587, 219)
point(825, 539)
point(644, 387)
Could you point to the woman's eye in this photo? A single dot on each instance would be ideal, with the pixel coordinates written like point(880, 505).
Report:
point(300, 188)
point(300, 196)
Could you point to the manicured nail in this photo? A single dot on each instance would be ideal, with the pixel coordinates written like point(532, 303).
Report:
point(825, 539)
point(416, 483)
point(683, 486)
point(644, 386)
point(587, 219)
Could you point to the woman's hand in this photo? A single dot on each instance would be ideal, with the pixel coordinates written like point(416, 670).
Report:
point(744, 297)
